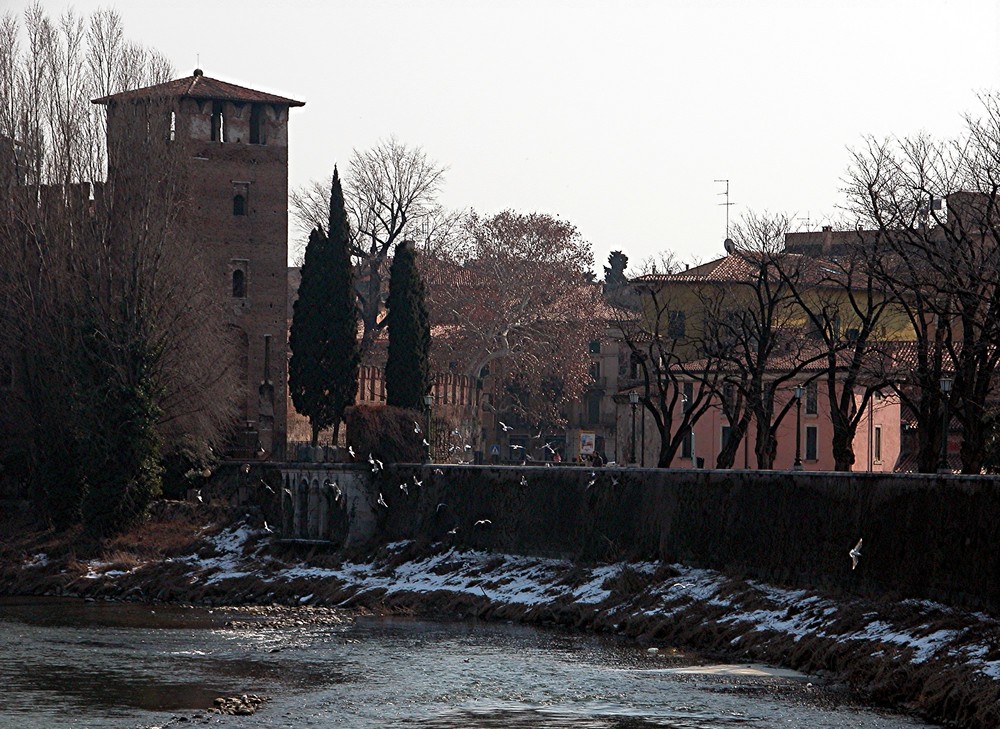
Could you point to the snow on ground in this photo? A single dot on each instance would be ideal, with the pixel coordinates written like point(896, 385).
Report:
point(531, 581)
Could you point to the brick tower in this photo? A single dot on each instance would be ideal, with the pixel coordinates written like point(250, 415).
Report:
point(234, 146)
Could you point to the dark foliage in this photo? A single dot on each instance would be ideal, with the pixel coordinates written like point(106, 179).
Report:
point(406, 368)
point(386, 433)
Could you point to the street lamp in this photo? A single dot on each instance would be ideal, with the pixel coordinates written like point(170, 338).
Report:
point(946, 383)
point(428, 404)
point(799, 390)
point(633, 398)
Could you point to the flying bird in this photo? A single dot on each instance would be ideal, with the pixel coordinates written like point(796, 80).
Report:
point(855, 554)
point(376, 463)
point(549, 447)
point(515, 447)
point(381, 500)
point(505, 426)
point(440, 506)
point(288, 491)
point(482, 521)
point(524, 481)
point(416, 427)
point(197, 495)
point(267, 486)
point(246, 468)
point(402, 487)
point(268, 529)
point(350, 449)
point(454, 531)
point(425, 443)
point(438, 472)
point(417, 482)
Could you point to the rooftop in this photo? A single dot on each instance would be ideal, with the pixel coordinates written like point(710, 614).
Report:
point(199, 86)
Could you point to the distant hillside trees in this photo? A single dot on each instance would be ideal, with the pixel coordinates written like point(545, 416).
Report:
point(407, 377)
point(323, 370)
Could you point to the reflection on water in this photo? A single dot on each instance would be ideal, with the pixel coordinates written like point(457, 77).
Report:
point(71, 664)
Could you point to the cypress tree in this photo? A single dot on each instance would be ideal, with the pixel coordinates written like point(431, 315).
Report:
point(406, 368)
point(323, 370)
point(344, 351)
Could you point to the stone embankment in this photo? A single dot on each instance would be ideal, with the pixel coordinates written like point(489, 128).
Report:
point(630, 575)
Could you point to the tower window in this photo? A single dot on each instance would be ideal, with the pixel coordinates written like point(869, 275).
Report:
point(239, 204)
point(257, 135)
point(218, 122)
point(239, 284)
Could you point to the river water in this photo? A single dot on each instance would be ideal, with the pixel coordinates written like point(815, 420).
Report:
point(74, 664)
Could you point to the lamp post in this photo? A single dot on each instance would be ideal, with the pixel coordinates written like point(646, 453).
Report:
point(428, 404)
point(799, 390)
point(946, 383)
point(633, 398)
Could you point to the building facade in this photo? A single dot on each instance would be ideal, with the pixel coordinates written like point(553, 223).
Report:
point(233, 151)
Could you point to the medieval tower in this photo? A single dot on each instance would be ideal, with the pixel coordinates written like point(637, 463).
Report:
point(233, 146)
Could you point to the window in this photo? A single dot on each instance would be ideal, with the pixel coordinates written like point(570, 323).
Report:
point(688, 395)
point(239, 205)
point(877, 444)
point(595, 371)
point(257, 125)
point(812, 442)
point(675, 324)
point(727, 433)
point(595, 346)
point(239, 284)
point(812, 398)
point(218, 123)
point(593, 408)
point(687, 445)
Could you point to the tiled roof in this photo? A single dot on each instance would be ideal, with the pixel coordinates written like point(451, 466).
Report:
point(200, 86)
point(744, 267)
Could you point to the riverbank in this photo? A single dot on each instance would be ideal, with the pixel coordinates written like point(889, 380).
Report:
point(915, 655)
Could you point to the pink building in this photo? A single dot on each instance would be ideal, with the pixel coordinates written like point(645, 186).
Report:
point(877, 445)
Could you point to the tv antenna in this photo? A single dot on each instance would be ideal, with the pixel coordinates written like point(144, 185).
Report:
point(727, 204)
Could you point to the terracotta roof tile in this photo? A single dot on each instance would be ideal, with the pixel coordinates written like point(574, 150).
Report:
point(199, 86)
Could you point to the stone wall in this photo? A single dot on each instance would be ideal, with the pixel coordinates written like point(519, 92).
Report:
point(924, 536)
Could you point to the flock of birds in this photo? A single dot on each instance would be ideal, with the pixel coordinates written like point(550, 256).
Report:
point(377, 465)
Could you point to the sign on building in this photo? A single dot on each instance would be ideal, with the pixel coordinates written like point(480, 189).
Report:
point(588, 442)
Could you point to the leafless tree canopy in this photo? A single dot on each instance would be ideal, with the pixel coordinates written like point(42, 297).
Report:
point(390, 191)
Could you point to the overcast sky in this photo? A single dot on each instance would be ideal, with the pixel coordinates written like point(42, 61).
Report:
point(617, 116)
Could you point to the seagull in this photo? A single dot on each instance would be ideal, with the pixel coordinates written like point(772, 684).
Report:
point(417, 482)
point(549, 447)
point(416, 427)
point(381, 500)
point(592, 481)
point(614, 481)
point(246, 468)
point(505, 426)
point(350, 449)
point(288, 491)
point(425, 443)
point(468, 447)
point(855, 554)
point(524, 481)
point(454, 531)
point(439, 506)
point(267, 486)
point(268, 529)
point(402, 487)
point(376, 463)
point(438, 472)
point(515, 447)
point(482, 521)
point(681, 585)
point(455, 432)
point(197, 495)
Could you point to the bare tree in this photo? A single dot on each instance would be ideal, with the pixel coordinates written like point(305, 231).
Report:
point(518, 299)
point(934, 205)
point(390, 193)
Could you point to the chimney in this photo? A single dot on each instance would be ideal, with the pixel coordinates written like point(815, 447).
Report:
point(827, 239)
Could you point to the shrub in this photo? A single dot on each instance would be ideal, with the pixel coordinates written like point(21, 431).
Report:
point(385, 432)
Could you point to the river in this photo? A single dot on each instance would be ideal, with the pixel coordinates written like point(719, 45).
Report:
point(69, 663)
